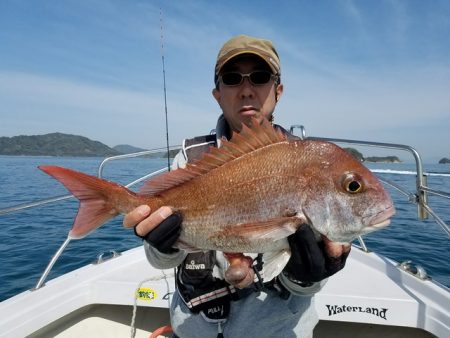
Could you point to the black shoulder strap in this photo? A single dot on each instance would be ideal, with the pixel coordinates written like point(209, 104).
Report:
point(195, 147)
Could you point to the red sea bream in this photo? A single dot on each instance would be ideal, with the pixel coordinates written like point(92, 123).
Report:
point(248, 195)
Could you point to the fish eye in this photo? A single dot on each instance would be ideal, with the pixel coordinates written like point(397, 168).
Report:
point(353, 184)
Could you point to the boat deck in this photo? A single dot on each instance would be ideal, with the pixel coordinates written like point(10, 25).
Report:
point(97, 301)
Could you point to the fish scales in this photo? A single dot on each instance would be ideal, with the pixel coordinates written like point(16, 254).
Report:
point(250, 194)
point(239, 192)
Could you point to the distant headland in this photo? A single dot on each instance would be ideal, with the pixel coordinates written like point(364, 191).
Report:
point(383, 159)
point(59, 144)
point(444, 160)
point(374, 159)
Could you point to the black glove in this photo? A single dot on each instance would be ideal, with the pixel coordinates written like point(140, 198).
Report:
point(164, 236)
point(309, 261)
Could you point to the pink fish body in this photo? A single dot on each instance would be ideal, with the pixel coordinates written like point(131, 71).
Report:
point(248, 195)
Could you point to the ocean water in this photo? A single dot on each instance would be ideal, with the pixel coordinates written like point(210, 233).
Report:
point(29, 238)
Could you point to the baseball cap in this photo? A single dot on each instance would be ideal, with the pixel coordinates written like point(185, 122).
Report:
point(244, 44)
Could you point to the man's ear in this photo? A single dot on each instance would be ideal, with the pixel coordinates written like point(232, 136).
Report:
point(279, 91)
point(216, 94)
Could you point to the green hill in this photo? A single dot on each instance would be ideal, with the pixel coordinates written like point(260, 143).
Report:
point(355, 153)
point(127, 149)
point(384, 159)
point(54, 144)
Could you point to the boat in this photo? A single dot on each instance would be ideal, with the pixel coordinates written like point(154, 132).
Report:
point(121, 295)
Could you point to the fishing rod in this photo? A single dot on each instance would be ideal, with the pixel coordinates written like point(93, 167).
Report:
point(165, 92)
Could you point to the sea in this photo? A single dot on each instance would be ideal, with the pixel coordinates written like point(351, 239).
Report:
point(30, 237)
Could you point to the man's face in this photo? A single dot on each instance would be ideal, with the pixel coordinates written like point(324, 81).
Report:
point(240, 103)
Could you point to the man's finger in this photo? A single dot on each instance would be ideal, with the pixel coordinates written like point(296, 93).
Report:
point(135, 216)
point(152, 221)
point(334, 249)
point(247, 281)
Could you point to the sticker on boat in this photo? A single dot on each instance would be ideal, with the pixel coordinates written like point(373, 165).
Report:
point(146, 294)
point(336, 309)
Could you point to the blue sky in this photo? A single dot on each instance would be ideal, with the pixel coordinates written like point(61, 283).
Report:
point(370, 70)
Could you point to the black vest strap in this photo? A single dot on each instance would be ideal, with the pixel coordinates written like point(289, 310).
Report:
point(200, 290)
point(195, 147)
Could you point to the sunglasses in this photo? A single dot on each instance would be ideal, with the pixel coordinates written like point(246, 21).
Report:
point(256, 78)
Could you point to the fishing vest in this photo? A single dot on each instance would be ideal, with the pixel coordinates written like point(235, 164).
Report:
point(200, 290)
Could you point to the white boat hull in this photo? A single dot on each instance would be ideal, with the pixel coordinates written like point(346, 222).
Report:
point(371, 297)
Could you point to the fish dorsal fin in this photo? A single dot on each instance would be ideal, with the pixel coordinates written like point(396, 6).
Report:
point(247, 140)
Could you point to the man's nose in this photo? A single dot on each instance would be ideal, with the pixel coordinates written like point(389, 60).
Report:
point(246, 88)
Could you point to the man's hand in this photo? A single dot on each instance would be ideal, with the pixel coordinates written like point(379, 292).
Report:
point(313, 261)
point(240, 273)
point(160, 229)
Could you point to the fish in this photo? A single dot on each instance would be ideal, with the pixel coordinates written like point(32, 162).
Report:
point(248, 195)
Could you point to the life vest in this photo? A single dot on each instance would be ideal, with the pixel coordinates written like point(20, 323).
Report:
point(200, 290)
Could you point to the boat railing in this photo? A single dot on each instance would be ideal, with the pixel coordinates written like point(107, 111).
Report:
point(55, 199)
point(418, 197)
point(134, 155)
point(100, 169)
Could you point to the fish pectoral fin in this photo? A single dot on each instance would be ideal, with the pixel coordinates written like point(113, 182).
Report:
point(274, 229)
point(185, 246)
point(274, 263)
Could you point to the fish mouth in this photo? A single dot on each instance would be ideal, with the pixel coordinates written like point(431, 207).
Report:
point(369, 224)
point(381, 224)
point(381, 220)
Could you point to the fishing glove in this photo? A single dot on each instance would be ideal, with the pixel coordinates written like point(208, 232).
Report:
point(164, 236)
point(309, 261)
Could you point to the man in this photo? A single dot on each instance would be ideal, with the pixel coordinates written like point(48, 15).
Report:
point(206, 303)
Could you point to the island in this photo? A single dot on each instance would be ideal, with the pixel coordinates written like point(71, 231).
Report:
point(127, 149)
point(59, 144)
point(444, 160)
point(355, 153)
point(374, 159)
point(54, 144)
point(383, 159)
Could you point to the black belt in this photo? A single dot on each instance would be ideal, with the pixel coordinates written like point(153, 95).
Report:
point(273, 285)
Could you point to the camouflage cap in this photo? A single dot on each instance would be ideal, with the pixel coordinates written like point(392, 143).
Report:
point(244, 44)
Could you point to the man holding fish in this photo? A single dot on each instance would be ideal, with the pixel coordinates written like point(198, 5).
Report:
point(233, 294)
point(254, 218)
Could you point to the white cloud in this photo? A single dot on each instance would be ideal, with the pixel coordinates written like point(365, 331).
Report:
point(371, 105)
point(363, 77)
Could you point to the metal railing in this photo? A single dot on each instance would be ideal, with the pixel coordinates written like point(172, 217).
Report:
point(418, 197)
point(41, 202)
point(55, 199)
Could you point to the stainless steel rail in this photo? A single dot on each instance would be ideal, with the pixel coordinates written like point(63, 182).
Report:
point(38, 203)
point(68, 239)
point(419, 197)
point(66, 242)
point(132, 155)
point(437, 219)
point(52, 262)
point(45, 201)
point(436, 192)
point(420, 178)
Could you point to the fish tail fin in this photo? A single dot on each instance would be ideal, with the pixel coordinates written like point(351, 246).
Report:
point(99, 199)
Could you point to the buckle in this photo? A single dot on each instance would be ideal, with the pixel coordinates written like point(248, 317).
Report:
point(241, 293)
point(276, 285)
